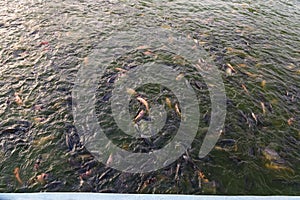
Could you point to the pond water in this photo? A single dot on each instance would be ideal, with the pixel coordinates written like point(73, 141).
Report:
point(253, 44)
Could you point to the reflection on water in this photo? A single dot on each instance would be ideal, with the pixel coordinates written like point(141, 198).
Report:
point(254, 44)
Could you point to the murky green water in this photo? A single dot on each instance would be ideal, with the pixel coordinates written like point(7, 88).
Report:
point(43, 45)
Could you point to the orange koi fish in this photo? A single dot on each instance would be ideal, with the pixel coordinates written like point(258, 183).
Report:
point(17, 175)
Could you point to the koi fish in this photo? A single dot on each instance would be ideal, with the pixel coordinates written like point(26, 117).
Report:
point(263, 108)
point(37, 107)
point(242, 65)
point(109, 160)
point(177, 172)
point(18, 100)
point(148, 53)
point(17, 175)
point(251, 74)
point(165, 26)
point(38, 119)
point(70, 142)
point(230, 66)
point(228, 71)
point(43, 140)
point(274, 166)
point(37, 164)
point(120, 69)
point(271, 155)
point(254, 117)
point(42, 178)
point(168, 102)
point(177, 109)
point(244, 87)
point(139, 116)
point(85, 157)
point(290, 121)
point(143, 101)
point(131, 91)
point(202, 177)
point(44, 43)
point(179, 77)
point(89, 172)
point(81, 181)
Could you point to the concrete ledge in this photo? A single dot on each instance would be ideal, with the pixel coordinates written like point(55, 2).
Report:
point(103, 196)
